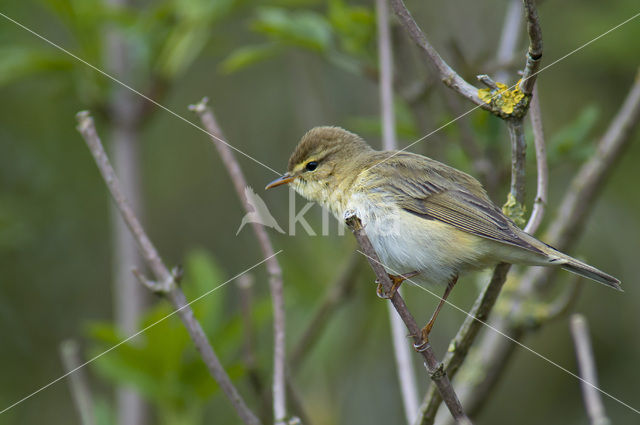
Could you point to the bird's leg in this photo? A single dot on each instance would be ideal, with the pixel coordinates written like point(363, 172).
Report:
point(427, 329)
point(396, 280)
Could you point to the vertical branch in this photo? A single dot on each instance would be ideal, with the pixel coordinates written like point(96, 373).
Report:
point(406, 373)
point(80, 391)
point(385, 64)
point(534, 54)
point(448, 76)
point(518, 159)
point(569, 222)
point(587, 367)
point(436, 372)
point(542, 171)
point(273, 267)
point(129, 296)
point(166, 281)
point(509, 38)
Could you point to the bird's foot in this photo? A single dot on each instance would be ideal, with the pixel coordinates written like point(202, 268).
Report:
point(424, 339)
point(396, 281)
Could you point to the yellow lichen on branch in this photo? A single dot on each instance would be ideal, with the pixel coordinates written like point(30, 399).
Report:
point(503, 98)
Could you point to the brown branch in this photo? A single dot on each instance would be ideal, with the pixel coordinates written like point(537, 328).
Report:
point(568, 224)
point(542, 170)
point(167, 282)
point(273, 267)
point(587, 367)
point(448, 76)
point(80, 391)
point(518, 159)
point(435, 369)
point(464, 339)
point(534, 54)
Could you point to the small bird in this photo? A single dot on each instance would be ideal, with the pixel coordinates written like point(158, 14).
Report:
point(424, 218)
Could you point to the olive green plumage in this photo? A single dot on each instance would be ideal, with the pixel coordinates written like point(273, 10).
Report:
point(420, 214)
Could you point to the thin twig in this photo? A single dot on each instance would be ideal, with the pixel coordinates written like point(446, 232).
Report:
point(534, 54)
point(587, 366)
point(462, 342)
point(385, 63)
point(80, 391)
point(435, 369)
point(518, 159)
point(162, 274)
point(405, 370)
point(509, 38)
point(570, 220)
point(448, 76)
point(273, 266)
point(542, 170)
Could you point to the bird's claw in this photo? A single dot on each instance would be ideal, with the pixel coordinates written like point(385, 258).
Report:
point(396, 281)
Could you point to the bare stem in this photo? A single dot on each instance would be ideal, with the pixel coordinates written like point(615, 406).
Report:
point(569, 222)
point(540, 203)
point(162, 274)
point(435, 369)
point(273, 266)
point(587, 367)
point(80, 391)
point(385, 63)
point(460, 345)
point(534, 54)
point(509, 38)
point(518, 159)
point(405, 370)
point(448, 76)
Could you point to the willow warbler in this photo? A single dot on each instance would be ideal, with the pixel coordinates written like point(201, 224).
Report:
point(423, 217)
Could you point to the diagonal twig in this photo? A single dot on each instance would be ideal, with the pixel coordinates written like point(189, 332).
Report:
point(166, 281)
point(80, 391)
point(569, 222)
point(587, 367)
point(448, 76)
point(273, 266)
point(434, 368)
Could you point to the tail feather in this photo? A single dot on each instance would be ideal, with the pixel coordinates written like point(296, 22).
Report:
point(578, 267)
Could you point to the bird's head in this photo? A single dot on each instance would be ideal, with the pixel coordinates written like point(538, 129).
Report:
point(324, 157)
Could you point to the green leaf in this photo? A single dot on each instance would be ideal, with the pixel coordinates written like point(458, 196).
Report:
point(21, 61)
point(355, 26)
point(190, 33)
point(572, 141)
point(248, 55)
point(305, 29)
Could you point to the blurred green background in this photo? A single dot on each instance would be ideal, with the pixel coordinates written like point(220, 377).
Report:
point(272, 70)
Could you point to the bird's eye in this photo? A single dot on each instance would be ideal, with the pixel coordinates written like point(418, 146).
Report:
point(311, 165)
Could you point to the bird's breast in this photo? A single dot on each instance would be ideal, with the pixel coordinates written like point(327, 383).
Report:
point(406, 243)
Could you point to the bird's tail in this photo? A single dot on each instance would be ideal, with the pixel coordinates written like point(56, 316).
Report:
point(583, 269)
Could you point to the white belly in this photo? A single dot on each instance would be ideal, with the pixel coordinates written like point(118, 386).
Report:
point(407, 243)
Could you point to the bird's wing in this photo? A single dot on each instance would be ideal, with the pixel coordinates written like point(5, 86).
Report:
point(435, 191)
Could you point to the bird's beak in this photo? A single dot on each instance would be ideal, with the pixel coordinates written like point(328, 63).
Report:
point(286, 178)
